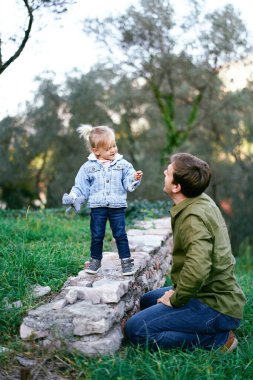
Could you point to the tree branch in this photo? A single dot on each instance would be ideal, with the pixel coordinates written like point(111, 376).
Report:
point(3, 66)
point(1, 61)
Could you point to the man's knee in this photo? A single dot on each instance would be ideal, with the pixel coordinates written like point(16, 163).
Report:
point(137, 333)
point(133, 330)
point(145, 301)
point(129, 330)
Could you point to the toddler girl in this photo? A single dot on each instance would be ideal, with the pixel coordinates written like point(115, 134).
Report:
point(103, 181)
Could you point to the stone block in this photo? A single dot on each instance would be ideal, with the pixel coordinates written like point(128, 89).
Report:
point(141, 260)
point(89, 311)
point(75, 281)
point(27, 333)
point(152, 231)
point(40, 291)
point(83, 326)
point(111, 291)
point(57, 305)
point(71, 296)
point(105, 345)
point(84, 293)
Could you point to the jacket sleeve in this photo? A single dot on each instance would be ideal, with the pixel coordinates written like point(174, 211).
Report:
point(129, 183)
point(198, 245)
point(82, 184)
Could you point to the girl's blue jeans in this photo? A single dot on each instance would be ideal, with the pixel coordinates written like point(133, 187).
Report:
point(192, 325)
point(99, 217)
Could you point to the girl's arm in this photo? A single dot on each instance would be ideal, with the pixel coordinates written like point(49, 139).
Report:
point(131, 178)
point(79, 193)
point(82, 184)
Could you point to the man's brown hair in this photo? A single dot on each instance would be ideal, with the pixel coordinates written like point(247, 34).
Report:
point(192, 173)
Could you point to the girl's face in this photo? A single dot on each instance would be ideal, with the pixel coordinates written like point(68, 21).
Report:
point(106, 152)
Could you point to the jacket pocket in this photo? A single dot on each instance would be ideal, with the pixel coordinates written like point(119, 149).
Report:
point(93, 169)
point(118, 167)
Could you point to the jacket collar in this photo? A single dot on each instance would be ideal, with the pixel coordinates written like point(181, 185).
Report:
point(92, 157)
point(176, 209)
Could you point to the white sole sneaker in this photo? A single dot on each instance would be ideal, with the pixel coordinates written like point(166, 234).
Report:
point(130, 273)
point(92, 271)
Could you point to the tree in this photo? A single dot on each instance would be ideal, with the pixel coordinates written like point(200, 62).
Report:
point(28, 145)
point(15, 184)
point(31, 7)
point(178, 65)
point(224, 138)
point(82, 104)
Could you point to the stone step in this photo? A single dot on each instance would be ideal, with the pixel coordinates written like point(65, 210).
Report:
point(88, 312)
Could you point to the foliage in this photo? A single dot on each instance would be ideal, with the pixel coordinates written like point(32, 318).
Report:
point(160, 92)
point(144, 209)
point(177, 70)
point(15, 181)
point(224, 139)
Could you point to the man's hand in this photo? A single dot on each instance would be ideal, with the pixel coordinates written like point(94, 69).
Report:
point(165, 299)
point(138, 175)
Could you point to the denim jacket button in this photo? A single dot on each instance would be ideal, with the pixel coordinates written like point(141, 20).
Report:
point(107, 180)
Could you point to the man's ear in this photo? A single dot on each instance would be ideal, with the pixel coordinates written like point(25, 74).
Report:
point(176, 188)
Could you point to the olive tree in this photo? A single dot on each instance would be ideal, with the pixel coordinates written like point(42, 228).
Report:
point(179, 62)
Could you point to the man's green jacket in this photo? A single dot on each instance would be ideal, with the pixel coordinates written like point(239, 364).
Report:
point(202, 261)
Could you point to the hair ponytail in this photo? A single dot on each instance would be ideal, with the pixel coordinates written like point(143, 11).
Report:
point(95, 136)
point(84, 131)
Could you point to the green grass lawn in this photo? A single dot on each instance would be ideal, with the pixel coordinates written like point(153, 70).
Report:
point(46, 247)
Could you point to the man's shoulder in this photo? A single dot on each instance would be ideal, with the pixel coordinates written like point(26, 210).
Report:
point(202, 201)
point(200, 206)
point(204, 209)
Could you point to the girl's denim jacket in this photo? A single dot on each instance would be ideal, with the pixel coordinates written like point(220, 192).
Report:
point(105, 185)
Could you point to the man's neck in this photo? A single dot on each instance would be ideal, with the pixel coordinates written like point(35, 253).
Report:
point(179, 197)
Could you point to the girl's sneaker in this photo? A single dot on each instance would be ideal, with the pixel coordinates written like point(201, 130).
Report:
point(127, 266)
point(94, 266)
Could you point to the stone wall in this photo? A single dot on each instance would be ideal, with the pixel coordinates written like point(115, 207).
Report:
point(88, 313)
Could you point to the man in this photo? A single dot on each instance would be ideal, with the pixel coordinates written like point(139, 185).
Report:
point(205, 303)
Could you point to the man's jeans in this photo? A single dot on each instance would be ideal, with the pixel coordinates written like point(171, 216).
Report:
point(98, 221)
point(192, 325)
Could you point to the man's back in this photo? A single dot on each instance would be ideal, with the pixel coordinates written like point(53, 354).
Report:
point(203, 263)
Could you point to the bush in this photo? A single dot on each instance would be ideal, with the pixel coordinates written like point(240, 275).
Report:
point(144, 209)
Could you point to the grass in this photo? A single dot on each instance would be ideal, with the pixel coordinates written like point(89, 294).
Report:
point(38, 248)
point(46, 247)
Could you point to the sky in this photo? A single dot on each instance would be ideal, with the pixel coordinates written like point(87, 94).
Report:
point(59, 46)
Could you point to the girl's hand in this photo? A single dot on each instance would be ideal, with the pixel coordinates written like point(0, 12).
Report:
point(165, 299)
point(138, 175)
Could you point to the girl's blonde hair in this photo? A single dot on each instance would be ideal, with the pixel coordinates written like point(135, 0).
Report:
point(96, 137)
